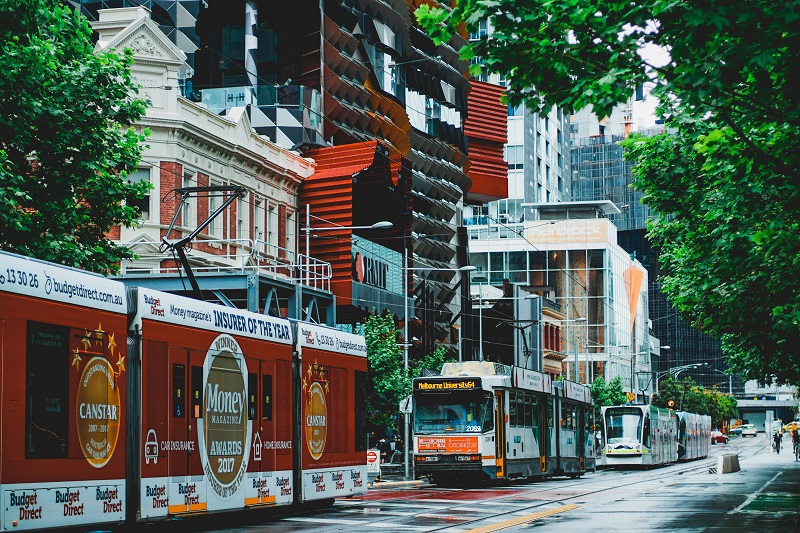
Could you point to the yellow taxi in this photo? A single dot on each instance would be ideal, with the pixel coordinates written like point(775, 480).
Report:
point(791, 426)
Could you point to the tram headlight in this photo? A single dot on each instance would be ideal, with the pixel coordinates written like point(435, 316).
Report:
point(427, 458)
point(475, 457)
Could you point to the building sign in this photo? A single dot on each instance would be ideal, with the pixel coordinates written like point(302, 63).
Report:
point(377, 266)
point(592, 230)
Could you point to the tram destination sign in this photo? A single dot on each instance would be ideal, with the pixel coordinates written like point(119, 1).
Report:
point(443, 385)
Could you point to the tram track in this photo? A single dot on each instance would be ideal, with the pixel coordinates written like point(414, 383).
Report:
point(582, 489)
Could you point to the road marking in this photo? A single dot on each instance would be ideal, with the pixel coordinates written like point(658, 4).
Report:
point(521, 520)
point(755, 495)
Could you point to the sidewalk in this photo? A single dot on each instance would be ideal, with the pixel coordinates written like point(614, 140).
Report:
point(772, 496)
point(387, 480)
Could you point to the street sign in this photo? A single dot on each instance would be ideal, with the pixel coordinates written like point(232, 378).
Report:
point(373, 465)
point(405, 405)
point(631, 396)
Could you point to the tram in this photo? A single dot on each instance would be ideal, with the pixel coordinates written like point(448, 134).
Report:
point(646, 435)
point(481, 421)
point(129, 405)
point(694, 435)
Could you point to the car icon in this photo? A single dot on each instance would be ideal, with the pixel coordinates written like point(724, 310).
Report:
point(151, 447)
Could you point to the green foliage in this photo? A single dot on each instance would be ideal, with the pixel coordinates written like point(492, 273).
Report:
point(610, 393)
point(689, 396)
point(725, 185)
point(65, 141)
point(390, 384)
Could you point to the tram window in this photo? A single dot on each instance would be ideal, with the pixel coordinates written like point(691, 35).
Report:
point(178, 380)
point(197, 391)
point(47, 365)
point(534, 413)
point(568, 416)
point(266, 395)
point(512, 409)
point(360, 426)
point(528, 411)
point(487, 422)
point(646, 432)
point(252, 395)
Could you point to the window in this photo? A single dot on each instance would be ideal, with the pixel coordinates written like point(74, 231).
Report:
point(47, 412)
point(272, 228)
point(242, 220)
point(433, 114)
point(515, 157)
point(215, 227)
point(142, 205)
point(189, 209)
point(291, 232)
point(258, 223)
point(512, 409)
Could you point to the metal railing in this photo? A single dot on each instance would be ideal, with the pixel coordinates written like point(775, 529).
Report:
point(235, 256)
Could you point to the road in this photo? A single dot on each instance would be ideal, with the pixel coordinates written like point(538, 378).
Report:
point(763, 496)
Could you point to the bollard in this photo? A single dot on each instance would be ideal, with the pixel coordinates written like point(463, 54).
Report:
point(728, 463)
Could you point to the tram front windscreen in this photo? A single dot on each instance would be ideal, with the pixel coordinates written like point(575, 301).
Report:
point(623, 425)
point(457, 412)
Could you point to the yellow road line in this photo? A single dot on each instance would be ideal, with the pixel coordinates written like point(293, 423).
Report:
point(521, 520)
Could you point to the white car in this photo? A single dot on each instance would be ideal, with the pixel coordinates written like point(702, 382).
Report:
point(749, 429)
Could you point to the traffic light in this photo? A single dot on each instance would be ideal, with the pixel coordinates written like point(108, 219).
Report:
point(671, 404)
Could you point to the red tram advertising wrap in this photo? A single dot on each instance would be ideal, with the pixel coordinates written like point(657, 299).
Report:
point(216, 406)
point(134, 405)
point(63, 412)
point(334, 450)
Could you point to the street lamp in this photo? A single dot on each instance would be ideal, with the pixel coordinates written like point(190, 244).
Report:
point(676, 371)
point(406, 344)
point(730, 378)
point(308, 229)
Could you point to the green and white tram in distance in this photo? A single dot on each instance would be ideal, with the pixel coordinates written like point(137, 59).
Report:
point(482, 421)
point(639, 435)
point(646, 435)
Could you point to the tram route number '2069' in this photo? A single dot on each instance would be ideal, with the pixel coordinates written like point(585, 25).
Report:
point(225, 464)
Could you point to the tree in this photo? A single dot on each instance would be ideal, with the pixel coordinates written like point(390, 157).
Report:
point(687, 395)
point(725, 185)
point(385, 368)
point(64, 152)
point(610, 393)
point(390, 384)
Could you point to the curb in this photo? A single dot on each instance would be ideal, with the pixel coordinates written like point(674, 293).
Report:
point(385, 484)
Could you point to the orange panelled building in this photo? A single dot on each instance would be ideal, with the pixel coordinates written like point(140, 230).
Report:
point(487, 132)
point(358, 185)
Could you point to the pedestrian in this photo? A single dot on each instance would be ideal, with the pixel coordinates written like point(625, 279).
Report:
point(776, 438)
point(386, 449)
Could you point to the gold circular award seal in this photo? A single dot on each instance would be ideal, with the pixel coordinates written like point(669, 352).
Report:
point(98, 412)
point(316, 420)
point(224, 426)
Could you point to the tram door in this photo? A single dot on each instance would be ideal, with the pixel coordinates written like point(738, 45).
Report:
point(580, 440)
point(186, 404)
point(544, 440)
point(500, 440)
